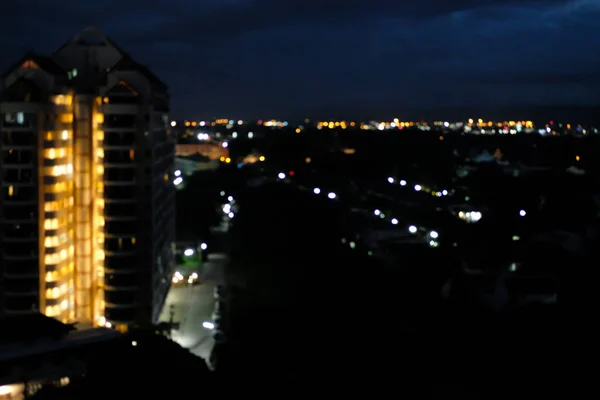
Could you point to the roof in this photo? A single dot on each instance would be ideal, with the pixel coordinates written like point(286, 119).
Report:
point(127, 62)
point(31, 326)
point(45, 63)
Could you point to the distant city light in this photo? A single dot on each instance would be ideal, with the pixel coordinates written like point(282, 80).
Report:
point(225, 144)
point(402, 182)
point(331, 195)
point(418, 188)
point(203, 246)
point(433, 234)
point(391, 180)
point(177, 173)
point(203, 136)
point(394, 221)
point(316, 190)
point(250, 135)
point(231, 215)
point(230, 198)
point(412, 229)
point(281, 175)
point(377, 212)
point(522, 213)
point(445, 192)
point(178, 181)
point(188, 252)
point(208, 325)
point(173, 123)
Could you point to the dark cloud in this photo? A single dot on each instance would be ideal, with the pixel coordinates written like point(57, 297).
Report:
point(583, 78)
point(248, 57)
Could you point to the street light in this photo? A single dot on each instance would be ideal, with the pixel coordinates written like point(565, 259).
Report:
point(188, 252)
point(203, 246)
point(208, 325)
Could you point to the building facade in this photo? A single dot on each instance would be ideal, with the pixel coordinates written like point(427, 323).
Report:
point(87, 201)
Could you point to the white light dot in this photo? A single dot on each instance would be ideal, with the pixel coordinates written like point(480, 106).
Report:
point(402, 182)
point(522, 213)
point(433, 234)
point(394, 221)
point(391, 180)
point(316, 190)
point(418, 188)
point(412, 229)
point(281, 175)
point(331, 195)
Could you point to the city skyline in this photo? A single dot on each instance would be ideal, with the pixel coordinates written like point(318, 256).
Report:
point(262, 58)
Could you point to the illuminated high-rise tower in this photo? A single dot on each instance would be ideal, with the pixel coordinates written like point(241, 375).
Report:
point(86, 206)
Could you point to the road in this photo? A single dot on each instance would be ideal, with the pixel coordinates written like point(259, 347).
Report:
point(193, 305)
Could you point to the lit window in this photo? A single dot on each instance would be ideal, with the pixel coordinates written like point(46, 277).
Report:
point(11, 191)
point(132, 154)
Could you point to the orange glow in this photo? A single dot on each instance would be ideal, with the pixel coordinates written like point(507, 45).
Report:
point(129, 87)
point(29, 64)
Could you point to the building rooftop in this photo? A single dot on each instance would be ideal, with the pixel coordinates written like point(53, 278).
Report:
point(22, 328)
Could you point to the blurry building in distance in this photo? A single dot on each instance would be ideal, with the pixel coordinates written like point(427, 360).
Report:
point(87, 203)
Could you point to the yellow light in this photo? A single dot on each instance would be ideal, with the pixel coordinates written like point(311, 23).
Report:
point(99, 118)
point(228, 160)
point(308, 160)
point(222, 159)
point(298, 130)
point(577, 158)
point(11, 191)
point(261, 158)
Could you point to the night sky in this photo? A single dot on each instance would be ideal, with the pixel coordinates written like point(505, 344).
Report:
point(270, 58)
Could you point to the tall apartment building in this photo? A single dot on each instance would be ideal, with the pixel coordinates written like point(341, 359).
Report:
point(87, 200)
